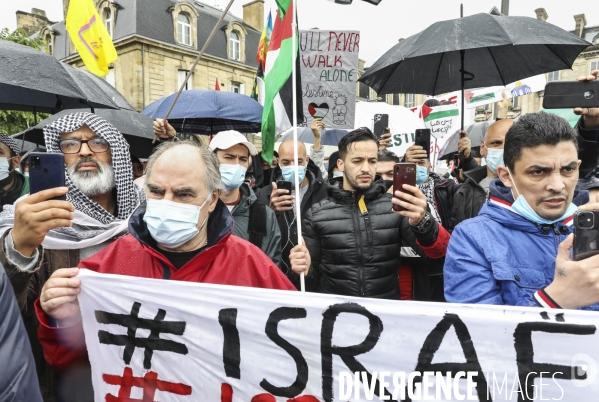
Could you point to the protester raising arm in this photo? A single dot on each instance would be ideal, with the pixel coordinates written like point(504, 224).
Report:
point(163, 130)
point(428, 235)
point(317, 151)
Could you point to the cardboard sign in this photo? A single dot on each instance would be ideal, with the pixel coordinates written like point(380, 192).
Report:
point(329, 68)
point(181, 341)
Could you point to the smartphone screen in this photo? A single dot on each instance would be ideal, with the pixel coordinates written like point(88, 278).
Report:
point(403, 173)
point(423, 138)
point(284, 185)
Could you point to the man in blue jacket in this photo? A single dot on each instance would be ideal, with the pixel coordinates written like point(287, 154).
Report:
point(511, 253)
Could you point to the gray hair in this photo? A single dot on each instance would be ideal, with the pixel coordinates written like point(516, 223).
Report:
point(212, 176)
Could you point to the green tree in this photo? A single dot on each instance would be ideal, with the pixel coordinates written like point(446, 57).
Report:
point(13, 121)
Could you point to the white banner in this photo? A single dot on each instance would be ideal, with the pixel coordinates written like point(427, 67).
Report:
point(485, 96)
point(329, 68)
point(181, 341)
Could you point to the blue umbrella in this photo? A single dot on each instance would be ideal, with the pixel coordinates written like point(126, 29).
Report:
point(329, 137)
point(209, 112)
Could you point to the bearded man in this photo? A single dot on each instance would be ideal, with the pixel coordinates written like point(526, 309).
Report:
point(40, 234)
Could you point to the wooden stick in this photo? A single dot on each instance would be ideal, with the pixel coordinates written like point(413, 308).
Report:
point(216, 27)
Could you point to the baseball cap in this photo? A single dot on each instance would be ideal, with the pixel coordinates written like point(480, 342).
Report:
point(226, 139)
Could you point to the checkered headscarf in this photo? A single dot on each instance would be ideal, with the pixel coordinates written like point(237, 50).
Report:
point(127, 196)
point(9, 142)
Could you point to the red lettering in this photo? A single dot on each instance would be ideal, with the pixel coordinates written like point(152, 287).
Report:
point(310, 63)
point(338, 62)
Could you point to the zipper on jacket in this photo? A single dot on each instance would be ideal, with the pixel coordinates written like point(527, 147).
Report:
point(358, 234)
point(369, 235)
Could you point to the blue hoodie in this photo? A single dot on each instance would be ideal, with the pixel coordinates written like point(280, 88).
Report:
point(502, 258)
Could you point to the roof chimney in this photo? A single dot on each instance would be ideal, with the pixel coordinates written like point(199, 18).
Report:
point(541, 14)
point(253, 14)
point(581, 22)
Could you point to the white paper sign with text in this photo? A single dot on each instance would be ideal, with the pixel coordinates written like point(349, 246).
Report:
point(329, 68)
point(180, 341)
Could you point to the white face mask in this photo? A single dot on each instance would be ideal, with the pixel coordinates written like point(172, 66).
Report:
point(173, 224)
point(4, 168)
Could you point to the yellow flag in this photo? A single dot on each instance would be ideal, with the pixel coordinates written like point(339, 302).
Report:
point(90, 37)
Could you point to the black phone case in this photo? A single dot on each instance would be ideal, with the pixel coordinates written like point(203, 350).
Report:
point(586, 240)
point(571, 94)
point(284, 185)
point(49, 174)
point(423, 138)
point(381, 122)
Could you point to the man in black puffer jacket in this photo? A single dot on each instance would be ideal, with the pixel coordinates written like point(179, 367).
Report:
point(353, 238)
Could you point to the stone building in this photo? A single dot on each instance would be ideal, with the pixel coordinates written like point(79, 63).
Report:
point(157, 41)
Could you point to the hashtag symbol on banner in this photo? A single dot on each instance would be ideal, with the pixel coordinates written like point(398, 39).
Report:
point(149, 383)
point(153, 342)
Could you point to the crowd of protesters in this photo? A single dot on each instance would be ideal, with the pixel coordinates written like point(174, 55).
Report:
point(499, 233)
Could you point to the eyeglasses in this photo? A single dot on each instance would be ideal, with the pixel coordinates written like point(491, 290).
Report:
point(74, 146)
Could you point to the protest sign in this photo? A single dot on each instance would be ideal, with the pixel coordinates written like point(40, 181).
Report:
point(485, 96)
point(329, 68)
point(181, 341)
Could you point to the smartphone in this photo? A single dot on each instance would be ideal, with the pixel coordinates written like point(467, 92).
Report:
point(403, 173)
point(586, 234)
point(571, 94)
point(381, 123)
point(423, 138)
point(284, 185)
point(46, 171)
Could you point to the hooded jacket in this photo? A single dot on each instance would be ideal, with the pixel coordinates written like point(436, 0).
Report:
point(470, 197)
point(317, 191)
point(271, 243)
point(226, 260)
point(18, 380)
point(501, 258)
point(356, 252)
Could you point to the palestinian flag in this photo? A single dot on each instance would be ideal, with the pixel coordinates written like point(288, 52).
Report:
point(278, 92)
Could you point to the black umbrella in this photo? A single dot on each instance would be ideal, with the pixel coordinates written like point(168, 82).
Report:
point(481, 50)
point(135, 127)
point(31, 80)
point(476, 133)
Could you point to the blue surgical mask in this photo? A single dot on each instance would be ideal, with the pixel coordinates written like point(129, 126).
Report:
point(289, 173)
point(523, 208)
point(232, 176)
point(337, 174)
point(494, 158)
point(4, 168)
point(421, 175)
point(173, 224)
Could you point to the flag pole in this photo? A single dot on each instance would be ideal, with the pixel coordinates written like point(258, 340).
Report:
point(298, 212)
point(195, 63)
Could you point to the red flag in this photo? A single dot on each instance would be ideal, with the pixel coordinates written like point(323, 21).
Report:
point(217, 86)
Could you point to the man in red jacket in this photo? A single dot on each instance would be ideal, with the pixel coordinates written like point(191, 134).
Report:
point(183, 232)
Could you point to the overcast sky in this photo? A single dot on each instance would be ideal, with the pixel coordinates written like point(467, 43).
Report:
point(381, 26)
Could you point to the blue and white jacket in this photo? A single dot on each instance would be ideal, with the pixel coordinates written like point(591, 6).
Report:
point(501, 258)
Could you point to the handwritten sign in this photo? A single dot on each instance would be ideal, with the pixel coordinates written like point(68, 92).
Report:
point(329, 68)
point(179, 341)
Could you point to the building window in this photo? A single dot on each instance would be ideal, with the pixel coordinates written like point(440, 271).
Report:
point(236, 87)
point(182, 74)
point(395, 100)
point(409, 100)
point(49, 44)
point(553, 76)
point(108, 22)
point(234, 45)
point(184, 29)
point(110, 77)
point(594, 65)
point(515, 102)
point(363, 90)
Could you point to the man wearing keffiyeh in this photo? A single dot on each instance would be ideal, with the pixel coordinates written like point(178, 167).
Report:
point(41, 235)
